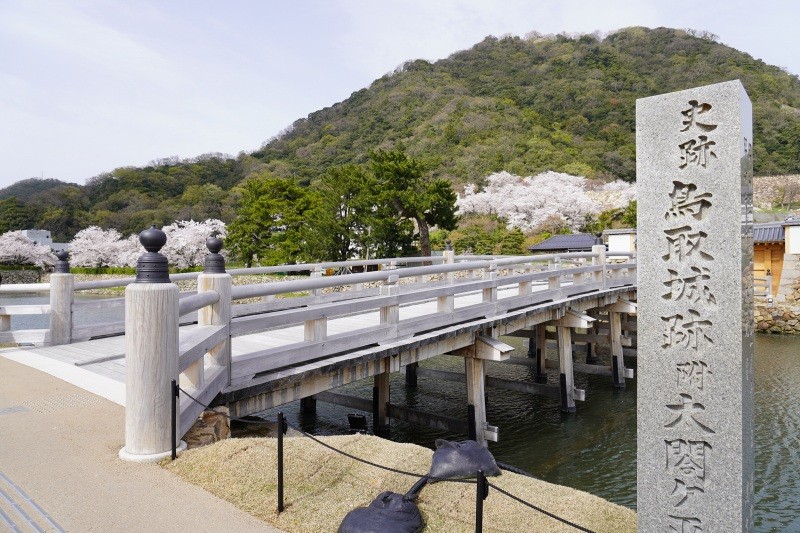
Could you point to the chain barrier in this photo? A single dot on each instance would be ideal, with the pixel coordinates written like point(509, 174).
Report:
point(535, 508)
point(486, 482)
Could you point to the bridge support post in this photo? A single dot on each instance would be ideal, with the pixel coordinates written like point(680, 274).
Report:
point(411, 374)
point(541, 353)
point(308, 405)
point(615, 312)
point(591, 346)
point(151, 355)
point(566, 374)
point(564, 327)
point(380, 400)
point(475, 369)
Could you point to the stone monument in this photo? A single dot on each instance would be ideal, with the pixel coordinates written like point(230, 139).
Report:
point(695, 387)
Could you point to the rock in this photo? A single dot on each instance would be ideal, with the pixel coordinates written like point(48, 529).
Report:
point(210, 427)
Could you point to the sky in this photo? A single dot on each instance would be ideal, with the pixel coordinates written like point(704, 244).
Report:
point(89, 86)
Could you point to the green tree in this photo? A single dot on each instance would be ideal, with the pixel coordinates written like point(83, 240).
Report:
point(404, 188)
point(269, 221)
point(513, 242)
point(338, 221)
point(15, 215)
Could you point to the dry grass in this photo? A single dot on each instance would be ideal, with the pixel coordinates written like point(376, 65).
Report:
point(322, 486)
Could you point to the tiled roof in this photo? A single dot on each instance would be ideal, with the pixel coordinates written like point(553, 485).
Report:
point(578, 241)
point(768, 232)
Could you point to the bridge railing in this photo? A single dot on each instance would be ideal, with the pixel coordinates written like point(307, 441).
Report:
point(63, 329)
point(503, 284)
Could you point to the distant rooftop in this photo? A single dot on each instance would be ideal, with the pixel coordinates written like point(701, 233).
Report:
point(768, 232)
point(578, 242)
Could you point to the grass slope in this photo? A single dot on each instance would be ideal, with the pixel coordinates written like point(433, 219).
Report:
point(323, 486)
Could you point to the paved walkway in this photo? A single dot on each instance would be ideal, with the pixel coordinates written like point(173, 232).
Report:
point(59, 468)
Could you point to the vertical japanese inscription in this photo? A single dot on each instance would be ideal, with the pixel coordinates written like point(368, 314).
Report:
point(690, 161)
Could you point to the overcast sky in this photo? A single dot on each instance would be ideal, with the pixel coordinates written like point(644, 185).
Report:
point(88, 86)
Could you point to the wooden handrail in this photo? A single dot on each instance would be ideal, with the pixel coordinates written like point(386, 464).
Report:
point(196, 302)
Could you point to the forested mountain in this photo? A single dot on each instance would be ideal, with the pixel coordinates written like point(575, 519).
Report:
point(523, 105)
point(542, 103)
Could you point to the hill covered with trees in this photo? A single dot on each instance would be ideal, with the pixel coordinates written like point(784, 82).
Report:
point(521, 105)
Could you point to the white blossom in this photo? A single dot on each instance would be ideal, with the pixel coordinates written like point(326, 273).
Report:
point(186, 241)
point(128, 251)
point(17, 249)
point(525, 203)
point(94, 247)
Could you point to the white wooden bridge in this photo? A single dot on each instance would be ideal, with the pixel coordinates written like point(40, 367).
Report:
point(253, 347)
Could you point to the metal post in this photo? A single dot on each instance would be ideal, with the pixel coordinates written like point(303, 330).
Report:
point(482, 490)
point(175, 394)
point(281, 423)
point(375, 411)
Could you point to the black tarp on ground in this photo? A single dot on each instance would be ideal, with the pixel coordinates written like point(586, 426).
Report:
point(388, 513)
point(459, 460)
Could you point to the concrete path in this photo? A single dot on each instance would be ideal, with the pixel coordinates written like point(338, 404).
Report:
point(59, 468)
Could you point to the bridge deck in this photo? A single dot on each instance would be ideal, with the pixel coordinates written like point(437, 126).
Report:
point(98, 366)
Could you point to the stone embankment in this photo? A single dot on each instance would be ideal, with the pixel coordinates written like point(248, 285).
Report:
point(8, 277)
point(783, 316)
point(780, 318)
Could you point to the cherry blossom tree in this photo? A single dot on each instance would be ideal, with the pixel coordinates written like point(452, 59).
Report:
point(526, 203)
point(17, 249)
point(186, 241)
point(95, 247)
point(128, 251)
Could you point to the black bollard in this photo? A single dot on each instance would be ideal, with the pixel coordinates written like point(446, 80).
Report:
point(481, 492)
point(281, 424)
point(175, 393)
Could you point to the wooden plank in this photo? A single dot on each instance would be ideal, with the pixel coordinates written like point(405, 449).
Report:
point(244, 325)
point(425, 419)
point(551, 391)
point(106, 328)
point(622, 306)
point(105, 303)
point(352, 402)
point(487, 348)
point(216, 379)
point(42, 309)
point(588, 337)
point(297, 353)
point(195, 341)
point(573, 319)
point(17, 336)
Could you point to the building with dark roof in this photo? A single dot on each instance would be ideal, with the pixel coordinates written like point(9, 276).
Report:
point(577, 242)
